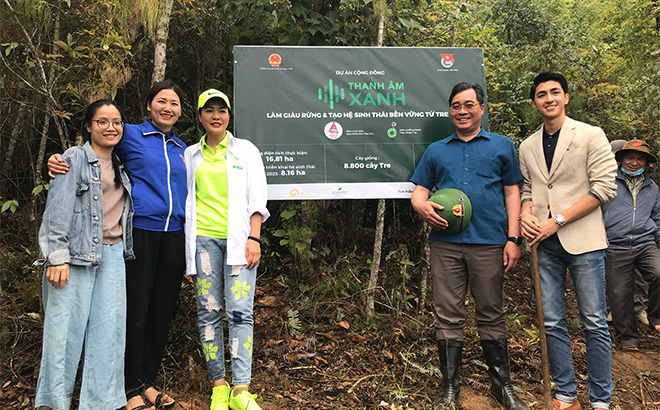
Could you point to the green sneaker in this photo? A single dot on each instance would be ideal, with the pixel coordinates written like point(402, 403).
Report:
point(220, 398)
point(243, 401)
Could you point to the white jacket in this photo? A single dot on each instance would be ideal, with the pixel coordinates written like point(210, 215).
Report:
point(247, 191)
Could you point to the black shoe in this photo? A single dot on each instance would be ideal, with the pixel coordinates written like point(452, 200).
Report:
point(451, 353)
point(497, 359)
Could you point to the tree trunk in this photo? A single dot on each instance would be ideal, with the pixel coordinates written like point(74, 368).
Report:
point(51, 78)
point(9, 153)
point(381, 32)
point(160, 41)
point(457, 17)
point(36, 168)
point(375, 266)
point(380, 215)
point(425, 269)
point(45, 80)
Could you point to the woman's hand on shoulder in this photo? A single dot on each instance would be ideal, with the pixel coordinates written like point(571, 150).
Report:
point(56, 165)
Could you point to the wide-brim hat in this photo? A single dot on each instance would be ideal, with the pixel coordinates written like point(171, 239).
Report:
point(617, 145)
point(638, 146)
point(209, 94)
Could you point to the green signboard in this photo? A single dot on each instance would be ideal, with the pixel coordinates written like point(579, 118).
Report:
point(346, 122)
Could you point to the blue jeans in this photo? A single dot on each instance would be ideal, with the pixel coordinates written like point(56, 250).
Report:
point(588, 274)
point(90, 313)
point(216, 280)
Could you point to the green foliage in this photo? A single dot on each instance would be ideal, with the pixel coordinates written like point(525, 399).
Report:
point(575, 324)
point(21, 283)
point(295, 325)
point(521, 22)
point(428, 368)
point(42, 186)
point(318, 252)
point(321, 250)
point(396, 277)
point(298, 231)
point(8, 205)
point(516, 323)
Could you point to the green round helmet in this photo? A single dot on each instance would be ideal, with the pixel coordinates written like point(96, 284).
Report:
point(457, 212)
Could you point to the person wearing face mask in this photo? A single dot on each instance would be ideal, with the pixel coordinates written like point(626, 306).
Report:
point(632, 221)
point(641, 286)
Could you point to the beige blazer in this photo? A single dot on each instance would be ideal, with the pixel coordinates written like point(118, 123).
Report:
point(583, 161)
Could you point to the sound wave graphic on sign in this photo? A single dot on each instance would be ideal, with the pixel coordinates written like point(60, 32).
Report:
point(331, 94)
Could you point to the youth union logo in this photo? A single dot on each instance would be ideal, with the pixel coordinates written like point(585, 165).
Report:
point(447, 60)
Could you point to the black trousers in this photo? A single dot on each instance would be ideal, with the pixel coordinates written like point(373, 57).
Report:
point(153, 281)
point(620, 268)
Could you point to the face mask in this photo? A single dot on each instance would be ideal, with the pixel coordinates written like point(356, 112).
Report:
point(632, 174)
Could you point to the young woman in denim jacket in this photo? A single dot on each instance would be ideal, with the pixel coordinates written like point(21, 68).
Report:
point(225, 207)
point(85, 236)
point(153, 155)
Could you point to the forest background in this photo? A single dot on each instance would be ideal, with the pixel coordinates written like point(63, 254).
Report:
point(340, 322)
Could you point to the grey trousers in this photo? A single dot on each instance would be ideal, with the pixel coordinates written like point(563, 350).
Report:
point(453, 267)
point(620, 268)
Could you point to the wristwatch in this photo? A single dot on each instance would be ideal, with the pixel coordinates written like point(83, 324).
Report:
point(515, 239)
point(559, 220)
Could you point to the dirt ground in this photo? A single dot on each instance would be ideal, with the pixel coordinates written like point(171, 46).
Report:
point(338, 360)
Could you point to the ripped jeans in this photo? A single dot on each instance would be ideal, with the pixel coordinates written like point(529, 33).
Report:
point(214, 280)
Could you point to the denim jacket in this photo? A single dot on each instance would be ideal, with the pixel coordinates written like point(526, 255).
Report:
point(72, 227)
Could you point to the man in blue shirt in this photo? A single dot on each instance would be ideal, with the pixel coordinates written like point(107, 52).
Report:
point(484, 166)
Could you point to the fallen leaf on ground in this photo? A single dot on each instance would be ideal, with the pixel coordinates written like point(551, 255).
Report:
point(268, 301)
point(328, 336)
point(273, 343)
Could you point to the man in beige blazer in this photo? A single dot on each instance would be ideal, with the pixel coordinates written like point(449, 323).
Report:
point(569, 171)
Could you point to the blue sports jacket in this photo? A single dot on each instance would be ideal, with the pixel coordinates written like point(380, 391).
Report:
point(154, 160)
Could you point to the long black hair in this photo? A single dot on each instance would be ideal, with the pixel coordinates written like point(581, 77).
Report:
point(87, 122)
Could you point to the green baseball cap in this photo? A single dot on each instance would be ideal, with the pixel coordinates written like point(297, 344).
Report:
point(212, 93)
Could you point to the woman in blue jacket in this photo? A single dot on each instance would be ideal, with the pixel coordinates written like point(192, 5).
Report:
point(153, 156)
point(85, 235)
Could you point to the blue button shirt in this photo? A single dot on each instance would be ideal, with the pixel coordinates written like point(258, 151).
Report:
point(481, 168)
